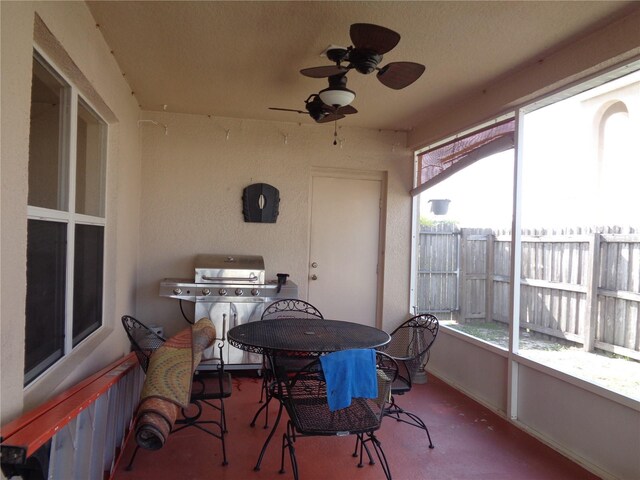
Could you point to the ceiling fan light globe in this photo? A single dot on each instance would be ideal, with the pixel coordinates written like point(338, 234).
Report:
point(337, 97)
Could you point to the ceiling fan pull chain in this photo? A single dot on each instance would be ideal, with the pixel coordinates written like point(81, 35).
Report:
point(335, 132)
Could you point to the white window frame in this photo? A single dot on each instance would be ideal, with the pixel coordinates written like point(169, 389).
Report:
point(67, 214)
point(515, 359)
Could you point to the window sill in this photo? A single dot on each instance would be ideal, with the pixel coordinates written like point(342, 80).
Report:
point(66, 372)
point(552, 372)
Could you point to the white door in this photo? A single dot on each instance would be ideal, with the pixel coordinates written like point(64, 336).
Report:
point(344, 247)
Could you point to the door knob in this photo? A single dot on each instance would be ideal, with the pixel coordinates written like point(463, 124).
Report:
point(314, 277)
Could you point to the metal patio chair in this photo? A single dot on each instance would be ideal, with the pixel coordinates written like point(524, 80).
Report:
point(283, 308)
point(307, 405)
point(207, 385)
point(410, 346)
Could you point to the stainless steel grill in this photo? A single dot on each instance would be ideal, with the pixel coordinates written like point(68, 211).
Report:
point(230, 290)
point(246, 269)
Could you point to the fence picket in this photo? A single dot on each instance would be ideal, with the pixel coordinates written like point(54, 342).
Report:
point(563, 292)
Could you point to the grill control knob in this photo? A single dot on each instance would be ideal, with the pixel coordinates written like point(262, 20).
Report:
point(239, 292)
point(255, 292)
point(222, 291)
point(177, 291)
point(206, 291)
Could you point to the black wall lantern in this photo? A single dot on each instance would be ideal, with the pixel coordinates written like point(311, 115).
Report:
point(260, 203)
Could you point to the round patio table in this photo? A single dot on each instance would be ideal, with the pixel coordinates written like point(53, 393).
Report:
point(304, 336)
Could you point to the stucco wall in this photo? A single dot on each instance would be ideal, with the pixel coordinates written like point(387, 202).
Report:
point(70, 30)
point(192, 189)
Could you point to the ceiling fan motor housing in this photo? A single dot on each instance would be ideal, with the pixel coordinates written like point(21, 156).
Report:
point(316, 108)
point(364, 61)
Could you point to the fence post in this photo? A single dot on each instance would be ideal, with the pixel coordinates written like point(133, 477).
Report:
point(462, 298)
point(489, 280)
point(591, 311)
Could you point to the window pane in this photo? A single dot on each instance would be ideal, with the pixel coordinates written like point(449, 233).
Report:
point(580, 290)
point(45, 309)
point(47, 167)
point(463, 251)
point(87, 281)
point(90, 163)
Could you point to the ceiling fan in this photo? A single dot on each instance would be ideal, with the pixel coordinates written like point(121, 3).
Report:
point(320, 111)
point(370, 43)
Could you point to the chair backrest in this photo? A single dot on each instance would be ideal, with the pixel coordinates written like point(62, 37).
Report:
point(307, 390)
point(144, 341)
point(411, 342)
point(290, 308)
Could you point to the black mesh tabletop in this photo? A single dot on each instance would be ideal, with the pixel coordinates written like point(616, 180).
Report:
point(304, 336)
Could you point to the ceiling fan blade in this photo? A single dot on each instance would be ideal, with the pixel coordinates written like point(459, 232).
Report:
point(331, 118)
point(287, 110)
point(373, 37)
point(398, 75)
point(324, 71)
point(346, 110)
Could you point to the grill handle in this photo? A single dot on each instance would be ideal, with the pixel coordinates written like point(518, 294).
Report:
point(224, 331)
point(251, 278)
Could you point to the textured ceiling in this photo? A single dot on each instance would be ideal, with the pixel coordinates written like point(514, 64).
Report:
point(236, 59)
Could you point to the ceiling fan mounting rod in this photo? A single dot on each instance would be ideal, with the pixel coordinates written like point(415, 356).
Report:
point(337, 55)
point(337, 81)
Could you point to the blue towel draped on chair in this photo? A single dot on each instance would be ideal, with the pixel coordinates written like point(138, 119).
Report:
point(349, 374)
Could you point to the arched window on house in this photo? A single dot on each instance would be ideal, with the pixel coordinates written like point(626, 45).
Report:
point(618, 167)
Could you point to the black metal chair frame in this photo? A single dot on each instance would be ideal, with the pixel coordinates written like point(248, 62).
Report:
point(283, 308)
point(410, 346)
point(207, 385)
point(307, 406)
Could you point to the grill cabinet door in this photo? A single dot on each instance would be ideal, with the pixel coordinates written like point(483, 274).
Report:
point(242, 313)
point(235, 313)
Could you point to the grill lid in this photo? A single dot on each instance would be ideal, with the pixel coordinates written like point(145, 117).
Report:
point(242, 269)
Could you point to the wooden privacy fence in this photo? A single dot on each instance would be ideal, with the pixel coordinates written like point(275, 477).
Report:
point(581, 285)
point(438, 276)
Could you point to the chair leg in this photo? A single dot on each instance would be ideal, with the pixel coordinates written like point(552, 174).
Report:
point(285, 444)
point(357, 448)
point(394, 411)
point(224, 448)
point(223, 415)
point(288, 440)
point(193, 421)
point(129, 467)
point(223, 429)
point(377, 446)
point(220, 436)
point(360, 445)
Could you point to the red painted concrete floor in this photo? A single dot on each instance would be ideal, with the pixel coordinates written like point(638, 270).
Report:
point(470, 443)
